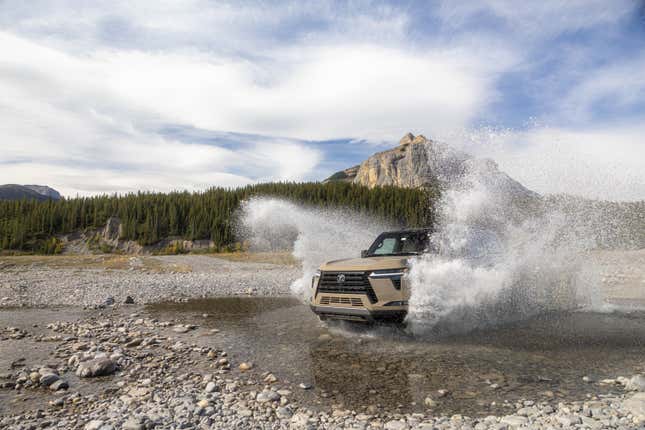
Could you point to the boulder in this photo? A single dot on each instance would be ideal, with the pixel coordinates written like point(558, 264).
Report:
point(96, 367)
point(60, 384)
point(267, 396)
point(245, 366)
point(48, 379)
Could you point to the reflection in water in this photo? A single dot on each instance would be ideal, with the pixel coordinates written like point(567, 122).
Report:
point(356, 366)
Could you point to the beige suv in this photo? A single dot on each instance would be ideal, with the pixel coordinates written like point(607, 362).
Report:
point(373, 287)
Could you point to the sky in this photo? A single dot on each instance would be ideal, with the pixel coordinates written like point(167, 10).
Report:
point(118, 96)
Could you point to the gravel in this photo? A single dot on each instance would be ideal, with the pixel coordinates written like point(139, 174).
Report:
point(167, 382)
point(40, 285)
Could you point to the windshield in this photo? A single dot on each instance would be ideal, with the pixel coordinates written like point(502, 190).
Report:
point(402, 243)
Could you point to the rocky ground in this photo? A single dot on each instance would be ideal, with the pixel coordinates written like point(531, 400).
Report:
point(170, 278)
point(113, 366)
point(149, 375)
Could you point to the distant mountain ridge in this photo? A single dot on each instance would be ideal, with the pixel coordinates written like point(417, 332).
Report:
point(32, 192)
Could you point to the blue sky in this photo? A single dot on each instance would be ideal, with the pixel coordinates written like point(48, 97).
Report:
point(116, 96)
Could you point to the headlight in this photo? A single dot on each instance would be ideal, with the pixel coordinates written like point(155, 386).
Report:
point(314, 279)
point(398, 303)
point(389, 273)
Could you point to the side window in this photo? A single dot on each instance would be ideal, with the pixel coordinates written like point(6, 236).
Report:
point(386, 246)
point(409, 244)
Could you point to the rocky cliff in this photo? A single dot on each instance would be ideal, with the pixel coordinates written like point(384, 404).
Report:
point(418, 161)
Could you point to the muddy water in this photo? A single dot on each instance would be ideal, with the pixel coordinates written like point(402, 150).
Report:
point(356, 366)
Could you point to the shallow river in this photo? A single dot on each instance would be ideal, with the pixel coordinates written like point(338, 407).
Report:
point(544, 358)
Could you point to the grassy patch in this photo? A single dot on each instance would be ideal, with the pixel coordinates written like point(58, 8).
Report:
point(284, 258)
point(105, 261)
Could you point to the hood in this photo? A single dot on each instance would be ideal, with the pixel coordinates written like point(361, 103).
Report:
point(365, 264)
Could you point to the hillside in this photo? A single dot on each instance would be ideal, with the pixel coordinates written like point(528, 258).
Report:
point(401, 185)
point(177, 222)
point(31, 192)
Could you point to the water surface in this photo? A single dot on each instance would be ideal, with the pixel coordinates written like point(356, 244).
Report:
point(355, 366)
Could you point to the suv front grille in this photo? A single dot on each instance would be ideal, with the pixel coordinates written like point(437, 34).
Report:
point(355, 283)
point(330, 300)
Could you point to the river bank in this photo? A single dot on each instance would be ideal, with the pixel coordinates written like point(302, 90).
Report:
point(254, 358)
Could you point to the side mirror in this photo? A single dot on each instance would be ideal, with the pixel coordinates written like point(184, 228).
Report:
point(364, 253)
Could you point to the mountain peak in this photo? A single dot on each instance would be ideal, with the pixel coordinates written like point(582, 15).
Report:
point(410, 138)
point(32, 192)
point(407, 139)
point(419, 162)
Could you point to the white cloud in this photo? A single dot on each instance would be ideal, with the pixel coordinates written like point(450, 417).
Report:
point(315, 92)
point(612, 87)
point(97, 109)
point(90, 85)
point(69, 113)
point(540, 20)
point(601, 163)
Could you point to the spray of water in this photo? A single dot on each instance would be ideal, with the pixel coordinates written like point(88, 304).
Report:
point(314, 235)
point(504, 252)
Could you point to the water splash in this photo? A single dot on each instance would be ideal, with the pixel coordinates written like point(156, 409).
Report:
point(314, 235)
point(503, 254)
point(506, 253)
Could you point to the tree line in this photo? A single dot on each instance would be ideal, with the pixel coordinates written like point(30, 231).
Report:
point(32, 226)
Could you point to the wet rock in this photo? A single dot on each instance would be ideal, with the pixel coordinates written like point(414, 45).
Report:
point(60, 384)
point(284, 413)
point(48, 379)
point(96, 367)
point(245, 366)
point(129, 300)
point(210, 387)
point(109, 301)
point(57, 402)
point(267, 396)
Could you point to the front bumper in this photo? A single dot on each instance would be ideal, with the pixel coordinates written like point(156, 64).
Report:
point(359, 314)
